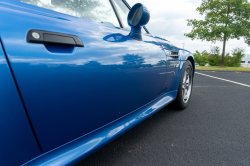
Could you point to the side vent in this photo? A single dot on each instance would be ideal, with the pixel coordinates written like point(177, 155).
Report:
point(174, 54)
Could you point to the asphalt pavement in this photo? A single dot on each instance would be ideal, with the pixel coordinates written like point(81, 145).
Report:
point(213, 130)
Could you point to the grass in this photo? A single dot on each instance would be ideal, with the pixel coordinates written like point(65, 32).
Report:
point(222, 68)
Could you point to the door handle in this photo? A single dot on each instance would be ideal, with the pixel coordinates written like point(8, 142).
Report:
point(39, 36)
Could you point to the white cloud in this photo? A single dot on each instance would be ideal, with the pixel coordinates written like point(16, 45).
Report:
point(169, 20)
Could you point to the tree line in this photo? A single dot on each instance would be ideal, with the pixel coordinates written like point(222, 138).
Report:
point(223, 20)
point(214, 57)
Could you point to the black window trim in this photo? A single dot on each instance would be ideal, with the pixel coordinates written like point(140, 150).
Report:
point(116, 13)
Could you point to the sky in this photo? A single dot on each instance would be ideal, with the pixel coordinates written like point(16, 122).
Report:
point(168, 19)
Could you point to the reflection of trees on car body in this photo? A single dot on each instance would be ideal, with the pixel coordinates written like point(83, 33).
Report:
point(133, 60)
point(95, 10)
point(130, 61)
point(161, 63)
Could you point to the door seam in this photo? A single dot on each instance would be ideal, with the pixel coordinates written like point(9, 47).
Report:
point(19, 93)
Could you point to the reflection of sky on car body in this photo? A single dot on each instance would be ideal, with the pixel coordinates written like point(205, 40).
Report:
point(109, 56)
point(2, 60)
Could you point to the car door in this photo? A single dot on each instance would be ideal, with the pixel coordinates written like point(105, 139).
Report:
point(17, 142)
point(70, 90)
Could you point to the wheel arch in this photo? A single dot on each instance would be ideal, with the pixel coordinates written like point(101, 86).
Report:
point(191, 59)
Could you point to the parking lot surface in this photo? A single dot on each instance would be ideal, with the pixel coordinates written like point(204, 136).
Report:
point(213, 130)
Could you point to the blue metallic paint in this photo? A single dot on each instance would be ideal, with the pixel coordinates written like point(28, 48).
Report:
point(184, 55)
point(80, 148)
point(83, 89)
point(17, 142)
point(73, 88)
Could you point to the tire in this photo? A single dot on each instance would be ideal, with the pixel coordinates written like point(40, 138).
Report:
point(185, 88)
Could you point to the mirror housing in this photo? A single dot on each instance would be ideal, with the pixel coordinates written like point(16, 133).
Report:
point(138, 17)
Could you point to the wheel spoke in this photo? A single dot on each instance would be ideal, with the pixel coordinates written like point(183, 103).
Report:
point(186, 86)
point(185, 92)
point(184, 79)
point(186, 97)
point(187, 81)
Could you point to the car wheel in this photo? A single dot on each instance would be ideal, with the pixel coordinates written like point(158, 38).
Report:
point(185, 87)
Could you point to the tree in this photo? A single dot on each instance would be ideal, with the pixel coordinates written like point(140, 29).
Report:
point(201, 58)
point(224, 20)
point(235, 60)
point(214, 58)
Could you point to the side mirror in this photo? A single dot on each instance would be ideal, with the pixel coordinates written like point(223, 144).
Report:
point(138, 17)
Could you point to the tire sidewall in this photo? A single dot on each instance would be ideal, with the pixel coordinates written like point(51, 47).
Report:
point(179, 98)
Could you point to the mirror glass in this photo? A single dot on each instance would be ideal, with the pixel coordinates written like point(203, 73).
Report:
point(137, 16)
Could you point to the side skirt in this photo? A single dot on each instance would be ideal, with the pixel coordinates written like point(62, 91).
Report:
point(78, 149)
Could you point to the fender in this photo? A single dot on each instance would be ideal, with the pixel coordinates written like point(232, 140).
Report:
point(186, 55)
point(183, 56)
point(182, 53)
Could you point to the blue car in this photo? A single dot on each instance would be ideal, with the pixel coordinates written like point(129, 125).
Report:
point(76, 74)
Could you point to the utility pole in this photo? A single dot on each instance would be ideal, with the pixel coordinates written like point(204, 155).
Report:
point(183, 45)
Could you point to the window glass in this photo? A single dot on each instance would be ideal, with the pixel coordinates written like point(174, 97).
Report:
point(123, 11)
point(95, 10)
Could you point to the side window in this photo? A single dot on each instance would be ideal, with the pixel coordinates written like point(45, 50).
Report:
point(123, 11)
point(95, 10)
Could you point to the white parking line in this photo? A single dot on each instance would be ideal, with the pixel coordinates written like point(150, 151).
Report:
point(223, 79)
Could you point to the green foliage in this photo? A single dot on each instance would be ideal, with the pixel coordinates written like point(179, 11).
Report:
point(229, 17)
point(224, 20)
point(214, 57)
point(235, 60)
point(197, 56)
point(201, 58)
